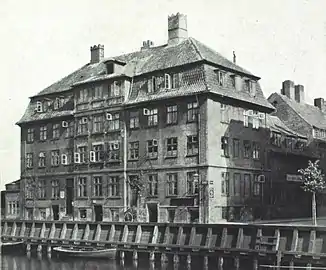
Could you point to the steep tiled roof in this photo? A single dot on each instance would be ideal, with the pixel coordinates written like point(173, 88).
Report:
point(214, 87)
point(311, 114)
point(31, 115)
point(145, 61)
point(275, 124)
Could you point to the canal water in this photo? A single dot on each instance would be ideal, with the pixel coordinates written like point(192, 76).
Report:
point(34, 262)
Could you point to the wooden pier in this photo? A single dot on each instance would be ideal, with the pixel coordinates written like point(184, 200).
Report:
point(222, 244)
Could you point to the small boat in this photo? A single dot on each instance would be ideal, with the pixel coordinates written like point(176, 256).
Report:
point(16, 246)
point(108, 253)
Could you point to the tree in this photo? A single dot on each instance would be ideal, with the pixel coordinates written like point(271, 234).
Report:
point(314, 182)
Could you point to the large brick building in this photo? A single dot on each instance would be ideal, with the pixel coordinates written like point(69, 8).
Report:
point(177, 131)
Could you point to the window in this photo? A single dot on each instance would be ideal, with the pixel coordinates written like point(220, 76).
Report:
point(172, 147)
point(232, 78)
point(246, 149)
point(30, 135)
point(70, 129)
point(82, 187)
point(64, 159)
point(13, 208)
point(114, 151)
point(221, 78)
point(98, 186)
point(152, 149)
point(113, 186)
point(97, 123)
point(29, 190)
point(83, 95)
point(255, 150)
point(82, 126)
point(276, 138)
point(225, 184)
point(41, 159)
point(236, 184)
point(224, 113)
point(167, 81)
point(134, 150)
point(55, 190)
point(245, 191)
point(114, 214)
point(175, 80)
point(39, 106)
point(42, 213)
point(192, 145)
point(152, 85)
point(192, 183)
point(114, 123)
point(134, 119)
point(56, 104)
point(250, 87)
point(152, 185)
point(41, 189)
point(55, 131)
point(225, 146)
point(172, 114)
point(245, 118)
point(55, 158)
point(192, 111)
point(172, 180)
point(97, 154)
point(115, 89)
point(98, 92)
point(82, 150)
point(171, 215)
point(152, 118)
point(29, 160)
point(236, 148)
point(83, 213)
point(257, 186)
point(43, 133)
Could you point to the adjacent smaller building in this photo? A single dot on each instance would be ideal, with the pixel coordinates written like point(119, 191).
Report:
point(12, 200)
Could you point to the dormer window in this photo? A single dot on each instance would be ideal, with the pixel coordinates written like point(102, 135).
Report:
point(39, 106)
point(151, 85)
point(167, 81)
point(250, 87)
point(221, 78)
point(58, 103)
point(232, 77)
point(110, 68)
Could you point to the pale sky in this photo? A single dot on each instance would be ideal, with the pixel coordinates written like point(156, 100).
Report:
point(42, 41)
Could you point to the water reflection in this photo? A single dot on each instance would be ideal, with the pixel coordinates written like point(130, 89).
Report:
point(33, 262)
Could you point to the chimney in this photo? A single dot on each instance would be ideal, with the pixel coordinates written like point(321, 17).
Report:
point(147, 44)
point(288, 89)
point(319, 102)
point(97, 53)
point(234, 58)
point(177, 28)
point(299, 93)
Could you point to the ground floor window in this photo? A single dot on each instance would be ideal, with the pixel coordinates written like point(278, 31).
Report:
point(29, 213)
point(114, 214)
point(82, 213)
point(42, 213)
point(171, 215)
point(194, 216)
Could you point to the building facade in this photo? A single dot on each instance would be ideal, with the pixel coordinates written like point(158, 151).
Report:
point(172, 133)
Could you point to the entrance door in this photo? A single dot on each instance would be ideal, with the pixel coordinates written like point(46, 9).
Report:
point(152, 212)
point(55, 210)
point(98, 209)
point(69, 195)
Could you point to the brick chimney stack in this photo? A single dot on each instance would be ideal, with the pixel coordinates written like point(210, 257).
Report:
point(299, 93)
point(97, 53)
point(288, 89)
point(177, 28)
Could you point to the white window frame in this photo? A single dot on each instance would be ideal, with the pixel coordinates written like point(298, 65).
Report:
point(167, 81)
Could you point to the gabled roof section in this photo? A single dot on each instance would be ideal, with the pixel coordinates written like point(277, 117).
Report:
point(146, 61)
point(309, 113)
point(275, 124)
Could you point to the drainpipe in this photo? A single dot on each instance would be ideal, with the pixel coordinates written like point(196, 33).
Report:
point(125, 153)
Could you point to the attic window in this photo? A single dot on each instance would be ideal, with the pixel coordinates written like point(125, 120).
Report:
point(167, 81)
point(221, 78)
point(39, 106)
point(110, 68)
point(151, 85)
